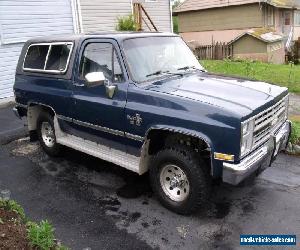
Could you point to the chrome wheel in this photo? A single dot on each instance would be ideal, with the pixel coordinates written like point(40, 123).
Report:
point(174, 182)
point(47, 133)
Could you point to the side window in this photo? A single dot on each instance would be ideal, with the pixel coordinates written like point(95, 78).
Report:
point(36, 57)
point(58, 57)
point(50, 57)
point(101, 57)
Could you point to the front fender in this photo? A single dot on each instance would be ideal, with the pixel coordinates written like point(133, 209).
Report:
point(183, 131)
point(216, 166)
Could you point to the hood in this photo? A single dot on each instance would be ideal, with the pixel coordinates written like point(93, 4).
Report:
point(243, 97)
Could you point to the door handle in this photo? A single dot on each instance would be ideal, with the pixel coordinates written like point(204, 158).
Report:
point(78, 84)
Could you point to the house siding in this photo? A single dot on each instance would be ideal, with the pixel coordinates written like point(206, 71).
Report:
point(296, 33)
point(99, 15)
point(209, 37)
point(9, 55)
point(227, 18)
point(189, 5)
point(160, 13)
point(21, 20)
point(248, 47)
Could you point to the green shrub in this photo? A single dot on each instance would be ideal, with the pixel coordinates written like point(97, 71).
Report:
point(11, 205)
point(126, 23)
point(175, 25)
point(41, 235)
point(61, 248)
point(295, 134)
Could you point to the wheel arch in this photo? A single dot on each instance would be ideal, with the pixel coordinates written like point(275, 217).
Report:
point(157, 134)
point(34, 110)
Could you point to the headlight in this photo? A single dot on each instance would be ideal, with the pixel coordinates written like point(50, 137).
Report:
point(245, 128)
point(246, 136)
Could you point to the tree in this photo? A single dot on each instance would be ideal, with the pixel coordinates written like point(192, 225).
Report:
point(176, 4)
point(175, 18)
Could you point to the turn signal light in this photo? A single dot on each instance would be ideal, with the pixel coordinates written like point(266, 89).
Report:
point(224, 157)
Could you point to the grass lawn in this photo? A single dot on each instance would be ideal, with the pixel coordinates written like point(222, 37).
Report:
point(295, 135)
point(283, 75)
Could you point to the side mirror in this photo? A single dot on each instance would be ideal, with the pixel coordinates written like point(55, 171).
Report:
point(95, 78)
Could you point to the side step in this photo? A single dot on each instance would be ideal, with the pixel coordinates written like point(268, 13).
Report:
point(117, 157)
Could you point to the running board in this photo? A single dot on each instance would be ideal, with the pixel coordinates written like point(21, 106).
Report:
point(103, 152)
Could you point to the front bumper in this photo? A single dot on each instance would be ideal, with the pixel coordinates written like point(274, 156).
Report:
point(260, 159)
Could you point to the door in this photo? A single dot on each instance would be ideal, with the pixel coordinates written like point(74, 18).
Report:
point(97, 116)
point(287, 22)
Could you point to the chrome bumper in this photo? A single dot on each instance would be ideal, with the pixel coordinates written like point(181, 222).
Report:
point(260, 159)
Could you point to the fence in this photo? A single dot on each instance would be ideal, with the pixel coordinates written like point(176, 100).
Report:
point(218, 51)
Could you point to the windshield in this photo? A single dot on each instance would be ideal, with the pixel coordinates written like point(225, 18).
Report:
point(152, 57)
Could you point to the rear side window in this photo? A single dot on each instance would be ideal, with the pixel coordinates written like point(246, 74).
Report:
point(53, 57)
point(36, 57)
point(58, 57)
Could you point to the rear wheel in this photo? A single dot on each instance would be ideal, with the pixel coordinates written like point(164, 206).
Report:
point(46, 135)
point(180, 179)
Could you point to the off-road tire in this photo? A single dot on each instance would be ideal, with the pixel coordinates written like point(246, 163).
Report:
point(54, 150)
point(196, 172)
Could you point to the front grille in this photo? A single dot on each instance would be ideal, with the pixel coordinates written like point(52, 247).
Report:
point(269, 121)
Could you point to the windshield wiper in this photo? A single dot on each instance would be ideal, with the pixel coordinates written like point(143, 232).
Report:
point(190, 67)
point(160, 72)
point(156, 73)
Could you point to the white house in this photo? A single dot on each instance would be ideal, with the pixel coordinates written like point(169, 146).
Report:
point(21, 20)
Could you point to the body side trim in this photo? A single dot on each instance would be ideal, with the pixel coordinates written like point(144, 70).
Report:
point(134, 137)
point(64, 118)
point(102, 129)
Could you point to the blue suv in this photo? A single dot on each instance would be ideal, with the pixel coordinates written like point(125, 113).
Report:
point(143, 102)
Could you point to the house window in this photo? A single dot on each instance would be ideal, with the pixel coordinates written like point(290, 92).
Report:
point(297, 18)
point(270, 15)
point(287, 18)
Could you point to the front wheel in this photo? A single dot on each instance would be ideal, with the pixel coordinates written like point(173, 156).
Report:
point(46, 135)
point(180, 179)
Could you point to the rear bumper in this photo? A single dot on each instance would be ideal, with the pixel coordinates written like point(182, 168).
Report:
point(16, 112)
point(20, 110)
point(260, 159)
